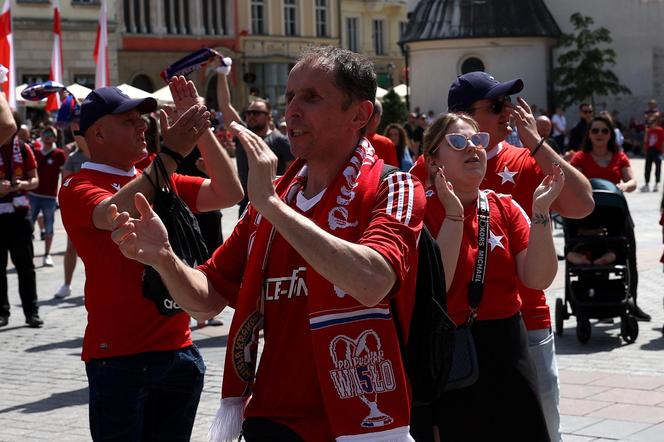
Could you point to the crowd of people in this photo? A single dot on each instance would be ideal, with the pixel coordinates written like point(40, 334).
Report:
point(325, 250)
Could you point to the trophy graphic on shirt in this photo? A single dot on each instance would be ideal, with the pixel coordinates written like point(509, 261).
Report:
point(360, 370)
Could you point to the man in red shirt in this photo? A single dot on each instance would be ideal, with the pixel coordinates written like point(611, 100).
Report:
point(518, 171)
point(144, 374)
point(18, 174)
point(654, 144)
point(50, 159)
point(313, 262)
point(384, 147)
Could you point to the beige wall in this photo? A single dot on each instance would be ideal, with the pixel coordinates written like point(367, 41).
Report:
point(637, 29)
point(33, 39)
point(435, 65)
point(392, 13)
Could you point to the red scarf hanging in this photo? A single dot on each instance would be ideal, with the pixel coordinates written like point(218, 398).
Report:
point(355, 347)
point(15, 170)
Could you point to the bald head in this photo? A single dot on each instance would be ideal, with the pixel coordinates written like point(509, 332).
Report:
point(543, 126)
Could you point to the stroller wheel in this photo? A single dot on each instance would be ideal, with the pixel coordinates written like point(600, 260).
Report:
point(583, 330)
point(629, 329)
point(561, 312)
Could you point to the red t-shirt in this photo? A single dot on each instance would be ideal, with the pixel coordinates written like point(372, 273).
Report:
point(655, 138)
point(287, 361)
point(585, 162)
point(512, 170)
point(509, 229)
point(48, 170)
point(120, 320)
point(385, 149)
point(8, 168)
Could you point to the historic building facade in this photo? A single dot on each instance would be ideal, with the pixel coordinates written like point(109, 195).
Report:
point(33, 40)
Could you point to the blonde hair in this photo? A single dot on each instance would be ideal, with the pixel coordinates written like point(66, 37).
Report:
point(434, 135)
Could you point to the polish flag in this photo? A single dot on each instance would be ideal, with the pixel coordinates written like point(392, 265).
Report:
point(53, 101)
point(101, 50)
point(7, 53)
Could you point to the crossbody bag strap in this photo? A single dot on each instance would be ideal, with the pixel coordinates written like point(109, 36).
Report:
point(476, 286)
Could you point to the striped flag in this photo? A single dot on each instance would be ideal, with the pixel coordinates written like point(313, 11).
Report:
point(101, 50)
point(53, 102)
point(7, 53)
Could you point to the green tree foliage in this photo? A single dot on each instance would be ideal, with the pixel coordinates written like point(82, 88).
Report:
point(582, 73)
point(394, 110)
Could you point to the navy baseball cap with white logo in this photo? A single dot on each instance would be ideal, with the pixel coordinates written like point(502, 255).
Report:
point(111, 100)
point(474, 86)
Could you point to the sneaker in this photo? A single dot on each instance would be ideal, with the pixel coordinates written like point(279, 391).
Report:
point(63, 291)
point(214, 322)
point(34, 321)
point(644, 188)
point(48, 261)
point(640, 315)
point(4, 320)
point(655, 189)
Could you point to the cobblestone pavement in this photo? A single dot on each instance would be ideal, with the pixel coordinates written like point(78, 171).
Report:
point(610, 390)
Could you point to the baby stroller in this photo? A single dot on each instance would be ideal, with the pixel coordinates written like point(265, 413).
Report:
point(599, 288)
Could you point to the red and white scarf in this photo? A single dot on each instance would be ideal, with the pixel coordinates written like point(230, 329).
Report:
point(15, 170)
point(355, 347)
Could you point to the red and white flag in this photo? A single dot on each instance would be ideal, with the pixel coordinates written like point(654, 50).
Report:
point(53, 101)
point(101, 49)
point(7, 53)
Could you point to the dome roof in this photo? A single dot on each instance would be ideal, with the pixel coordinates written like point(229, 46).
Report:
point(448, 19)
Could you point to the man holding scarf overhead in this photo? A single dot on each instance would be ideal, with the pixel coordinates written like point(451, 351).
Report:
point(314, 262)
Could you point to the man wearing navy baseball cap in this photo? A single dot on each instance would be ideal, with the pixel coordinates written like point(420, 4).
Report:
point(145, 375)
point(519, 171)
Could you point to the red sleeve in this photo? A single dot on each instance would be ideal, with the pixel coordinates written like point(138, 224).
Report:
point(623, 160)
point(78, 198)
point(577, 160)
point(225, 268)
point(187, 188)
point(30, 161)
point(519, 225)
point(396, 221)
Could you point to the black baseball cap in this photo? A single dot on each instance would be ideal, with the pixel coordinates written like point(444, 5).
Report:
point(111, 100)
point(474, 86)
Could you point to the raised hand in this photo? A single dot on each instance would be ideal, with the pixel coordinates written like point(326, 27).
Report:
point(525, 123)
point(446, 195)
point(183, 135)
point(547, 192)
point(262, 166)
point(184, 94)
point(144, 239)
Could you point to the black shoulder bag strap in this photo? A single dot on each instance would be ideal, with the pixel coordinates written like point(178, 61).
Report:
point(476, 286)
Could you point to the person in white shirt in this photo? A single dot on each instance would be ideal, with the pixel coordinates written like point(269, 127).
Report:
point(559, 127)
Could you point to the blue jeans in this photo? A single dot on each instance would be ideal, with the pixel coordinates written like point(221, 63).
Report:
point(145, 397)
point(46, 206)
point(543, 353)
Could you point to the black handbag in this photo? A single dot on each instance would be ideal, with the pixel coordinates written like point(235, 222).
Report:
point(184, 235)
point(465, 369)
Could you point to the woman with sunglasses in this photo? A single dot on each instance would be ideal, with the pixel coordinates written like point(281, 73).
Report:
point(456, 160)
point(601, 157)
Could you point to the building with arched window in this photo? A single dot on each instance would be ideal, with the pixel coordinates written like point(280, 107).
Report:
point(507, 38)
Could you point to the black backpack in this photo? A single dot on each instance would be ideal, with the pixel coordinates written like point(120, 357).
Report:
point(427, 355)
point(184, 235)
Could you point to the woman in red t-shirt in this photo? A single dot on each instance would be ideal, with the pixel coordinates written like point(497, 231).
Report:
point(601, 157)
point(456, 161)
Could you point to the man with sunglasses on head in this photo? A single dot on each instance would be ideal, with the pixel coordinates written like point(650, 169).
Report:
point(577, 135)
point(258, 119)
point(518, 171)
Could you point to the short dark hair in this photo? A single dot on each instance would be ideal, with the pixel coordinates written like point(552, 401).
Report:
point(612, 146)
point(582, 105)
point(353, 73)
point(267, 104)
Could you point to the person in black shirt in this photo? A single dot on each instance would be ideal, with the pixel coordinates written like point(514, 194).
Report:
point(258, 119)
